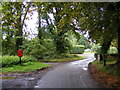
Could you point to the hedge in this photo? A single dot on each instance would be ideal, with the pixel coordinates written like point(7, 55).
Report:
point(8, 61)
point(77, 49)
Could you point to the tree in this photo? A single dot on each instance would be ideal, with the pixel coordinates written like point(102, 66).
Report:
point(100, 20)
point(61, 24)
point(13, 20)
point(84, 41)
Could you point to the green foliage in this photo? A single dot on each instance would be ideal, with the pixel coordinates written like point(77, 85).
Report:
point(84, 41)
point(63, 58)
point(62, 45)
point(72, 38)
point(34, 48)
point(77, 49)
point(99, 21)
point(112, 50)
point(96, 48)
point(0, 42)
point(77, 39)
point(109, 69)
point(26, 67)
point(59, 26)
point(8, 61)
point(14, 15)
point(8, 46)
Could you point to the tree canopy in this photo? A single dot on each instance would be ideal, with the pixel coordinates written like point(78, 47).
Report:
point(100, 20)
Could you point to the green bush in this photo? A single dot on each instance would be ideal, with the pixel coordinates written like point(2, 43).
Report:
point(34, 48)
point(29, 59)
point(112, 50)
point(77, 49)
point(96, 48)
point(8, 61)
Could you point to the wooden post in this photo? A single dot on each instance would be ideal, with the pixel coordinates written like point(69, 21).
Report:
point(20, 60)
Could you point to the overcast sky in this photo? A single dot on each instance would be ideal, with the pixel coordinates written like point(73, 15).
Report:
point(32, 24)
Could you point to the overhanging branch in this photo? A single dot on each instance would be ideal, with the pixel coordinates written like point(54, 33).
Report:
point(27, 9)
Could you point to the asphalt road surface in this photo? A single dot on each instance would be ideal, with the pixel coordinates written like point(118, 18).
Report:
point(69, 75)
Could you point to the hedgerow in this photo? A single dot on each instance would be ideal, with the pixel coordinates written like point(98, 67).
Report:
point(77, 49)
point(8, 61)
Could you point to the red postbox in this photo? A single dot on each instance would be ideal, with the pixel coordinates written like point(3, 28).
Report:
point(20, 53)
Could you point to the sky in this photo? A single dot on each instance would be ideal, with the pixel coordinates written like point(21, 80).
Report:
point(32, 25)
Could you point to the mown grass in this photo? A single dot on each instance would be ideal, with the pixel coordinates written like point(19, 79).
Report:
point(25, 67)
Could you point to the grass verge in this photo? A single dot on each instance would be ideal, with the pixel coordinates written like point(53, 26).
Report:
point(29, 63)
point(26, 67)
point(108, 76)
point(63, 59)
point(89, 52)
point(109, 69)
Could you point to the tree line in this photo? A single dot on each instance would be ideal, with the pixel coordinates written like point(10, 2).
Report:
point(100, 20)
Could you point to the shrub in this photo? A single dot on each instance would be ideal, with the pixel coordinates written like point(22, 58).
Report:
point(96, 48)
point(34, 48)
point(112, 50)
point(29, 59)
point(77, 49)
point(14, 60)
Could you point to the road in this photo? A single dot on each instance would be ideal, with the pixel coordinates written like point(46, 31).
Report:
point(63, 75)
point(69, 75)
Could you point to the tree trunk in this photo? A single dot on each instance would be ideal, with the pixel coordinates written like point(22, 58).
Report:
point(60, 44)
point(101, 58)
point(118, 32)
point(104, 49)
point(118, 61)
point(19, 33)
point(39, 24)
point(118, 46)
point(19, 40)
point(59, 37)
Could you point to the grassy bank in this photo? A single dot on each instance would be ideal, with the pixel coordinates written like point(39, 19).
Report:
point(108, 76)
point(8, 61)
point(64, 58)
point(109, 69)
point(10, 64)
point(25, 67)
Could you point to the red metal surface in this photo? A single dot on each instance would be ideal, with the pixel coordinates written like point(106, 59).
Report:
point(20, 53)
